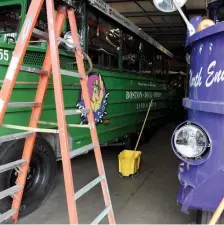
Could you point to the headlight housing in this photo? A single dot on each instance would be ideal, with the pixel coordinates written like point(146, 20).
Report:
point(70, 43)
point(191, 143)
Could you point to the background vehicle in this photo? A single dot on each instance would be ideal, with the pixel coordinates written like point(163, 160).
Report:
point(198, 141)
point(130, 68)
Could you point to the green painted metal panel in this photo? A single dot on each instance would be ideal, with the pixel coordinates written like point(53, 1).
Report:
point(121, 100)
point(127, 102)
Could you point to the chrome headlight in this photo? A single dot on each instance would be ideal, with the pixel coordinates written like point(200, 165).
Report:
point(69, 41)
point(190, 141)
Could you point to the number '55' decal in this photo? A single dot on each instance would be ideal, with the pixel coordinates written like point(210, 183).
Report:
point(4, 54)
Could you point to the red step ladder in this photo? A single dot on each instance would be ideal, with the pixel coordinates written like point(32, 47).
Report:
point(55, 24)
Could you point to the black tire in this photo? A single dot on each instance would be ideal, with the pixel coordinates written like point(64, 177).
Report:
point(204, 217)
point(40, 180)
point(130, 141)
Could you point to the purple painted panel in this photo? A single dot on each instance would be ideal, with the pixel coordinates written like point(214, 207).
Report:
point(202, 186)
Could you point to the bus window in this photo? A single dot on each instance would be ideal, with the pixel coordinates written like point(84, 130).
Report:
point(104, 41)
point(147, 54)
point(131, 50)
point(9, 22)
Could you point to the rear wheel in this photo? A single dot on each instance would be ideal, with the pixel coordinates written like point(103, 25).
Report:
point(40, 178)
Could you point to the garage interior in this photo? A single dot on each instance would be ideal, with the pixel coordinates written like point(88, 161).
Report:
point(149, 197)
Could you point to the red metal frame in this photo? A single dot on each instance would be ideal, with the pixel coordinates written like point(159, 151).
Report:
point(90, 116)
point(36, 112)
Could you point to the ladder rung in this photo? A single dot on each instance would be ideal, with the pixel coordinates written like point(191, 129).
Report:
point(10, 191)
point(88, 187)
point(17, 136)
point(39, 71)
point(33, 70)
point(69, 125)
point(100, 217)
point(5, 216)
point(43, 35)
point(41, 130)
point(40, 34)
point(23, 104)
point(82, 150)
point(71, 74)
point(76, 111)
point(12, 165)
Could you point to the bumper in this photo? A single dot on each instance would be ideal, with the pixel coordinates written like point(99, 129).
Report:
point(196, 193)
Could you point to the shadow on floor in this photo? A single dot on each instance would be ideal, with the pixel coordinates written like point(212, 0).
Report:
point(150, 198)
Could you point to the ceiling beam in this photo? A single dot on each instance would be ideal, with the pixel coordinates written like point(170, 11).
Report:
point(167, 34)
point(159, 25)
point(117, 1)
point(148, 13)
point(196, 11)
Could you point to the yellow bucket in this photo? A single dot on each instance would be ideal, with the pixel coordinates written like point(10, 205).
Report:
point(129, 162)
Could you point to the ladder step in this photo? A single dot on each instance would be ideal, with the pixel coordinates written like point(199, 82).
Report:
point(69, 125)
point(100, 217)
point(89, 186)
point(71, 74)
point(17, 136)
point(12, 165)
point(40, 34)
point(23, 104)
point(10, 191)
point(39, 71)
point(84, 149)
point(43, 35)
point(41, 130)
point(76, 111)
point(5, 216)
point(33, 70)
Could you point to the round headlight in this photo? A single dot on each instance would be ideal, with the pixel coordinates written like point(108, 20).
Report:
point(69, 40)
point(190, 141)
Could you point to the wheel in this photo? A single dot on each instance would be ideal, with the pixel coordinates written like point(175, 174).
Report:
point(204, 217)
point(40, 178)
point(130, 141)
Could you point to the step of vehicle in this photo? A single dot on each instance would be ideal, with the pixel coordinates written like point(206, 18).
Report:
point(89, 186)
point(10, 191)
point(82, 150)
point(23, 104)
point(76, 111)
point(17, 136)
point(100, 217)
point(5, 216)
point(12, 165)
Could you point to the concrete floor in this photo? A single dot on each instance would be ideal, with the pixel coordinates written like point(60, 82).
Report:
point(147, 199)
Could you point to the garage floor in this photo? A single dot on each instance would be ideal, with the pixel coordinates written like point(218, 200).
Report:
point(147, 199)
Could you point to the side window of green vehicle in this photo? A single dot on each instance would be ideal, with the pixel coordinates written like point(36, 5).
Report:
point(104, 41)
point(10, 16)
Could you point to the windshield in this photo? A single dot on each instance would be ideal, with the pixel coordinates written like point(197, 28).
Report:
point(9, 18)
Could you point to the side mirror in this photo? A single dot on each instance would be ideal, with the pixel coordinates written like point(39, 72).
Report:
point(171, 6)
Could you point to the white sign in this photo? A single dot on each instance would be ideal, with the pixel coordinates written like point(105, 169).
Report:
point(141, 95)
point(212, 76)
point(112, 13)
point(4, 54)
